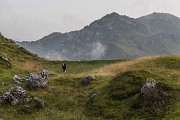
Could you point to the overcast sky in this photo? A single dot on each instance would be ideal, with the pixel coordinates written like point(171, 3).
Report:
point(33, 19)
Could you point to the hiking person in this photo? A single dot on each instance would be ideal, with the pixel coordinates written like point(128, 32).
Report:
point(64, 67)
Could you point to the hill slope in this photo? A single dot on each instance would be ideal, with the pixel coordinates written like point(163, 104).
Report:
point(10, 52)
point(114, 94)
point(111, 37)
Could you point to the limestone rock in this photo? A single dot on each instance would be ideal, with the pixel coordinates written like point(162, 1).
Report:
point(12, 95)
point(14, 102)
point(17, 80)
point(38, 80)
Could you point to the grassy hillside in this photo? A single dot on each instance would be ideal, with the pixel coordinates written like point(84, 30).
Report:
point(114, 94)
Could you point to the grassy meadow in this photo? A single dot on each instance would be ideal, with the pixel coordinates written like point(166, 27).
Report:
point(113, 95)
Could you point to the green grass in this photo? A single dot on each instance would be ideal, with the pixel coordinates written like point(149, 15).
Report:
point(121, 99)
point(114, 94)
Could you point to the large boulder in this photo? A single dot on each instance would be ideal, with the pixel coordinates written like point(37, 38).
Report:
point(38, 80)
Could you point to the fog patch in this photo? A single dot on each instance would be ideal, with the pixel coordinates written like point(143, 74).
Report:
point(98, 51)
point(56, 55)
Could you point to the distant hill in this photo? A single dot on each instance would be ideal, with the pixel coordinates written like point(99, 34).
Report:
point(112, 37)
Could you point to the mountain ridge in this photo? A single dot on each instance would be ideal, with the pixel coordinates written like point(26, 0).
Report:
point(113, 36)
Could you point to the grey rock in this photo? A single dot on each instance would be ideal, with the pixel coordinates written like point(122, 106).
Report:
point(27, 100)
point(17, 93)
point(87, 80)
point(39, 102)
point(14, 102)
point(6, 59)
point(3, 83)
point(12, 95)
point(148, 86)
point(17, 80)
point(50, 112)
point(38, 80)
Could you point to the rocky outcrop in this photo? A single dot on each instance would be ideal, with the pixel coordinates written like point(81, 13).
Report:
point(35, 80)
point(13, 95)
point(38, 80)
point(17, 95)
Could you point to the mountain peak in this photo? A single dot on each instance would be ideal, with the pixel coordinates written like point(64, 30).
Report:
point(54, 34)
point(159, 16)
point(113, 36)
point(113, 14)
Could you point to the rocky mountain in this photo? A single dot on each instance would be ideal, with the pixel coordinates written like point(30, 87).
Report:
point(113, 36)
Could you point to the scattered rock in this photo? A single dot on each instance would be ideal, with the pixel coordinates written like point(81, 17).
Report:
point(39, 102)
point(27, 100)
point(94, 94)
point(27, 108)
point(148, 86)
point(18, 95)
point(155, 98)
point(17, 80)
point(19, 59)
point(18, 92)
point(87, 80)
point(52, 73)
point(6, 59)
point(50, 112)
point(3, 83)
point(12, 95)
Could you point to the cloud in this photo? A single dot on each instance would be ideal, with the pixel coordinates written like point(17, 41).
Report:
point(98, 51)
point(33, 19)
point(55, 55)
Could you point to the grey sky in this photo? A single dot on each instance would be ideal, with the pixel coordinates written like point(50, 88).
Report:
point(33, 19)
